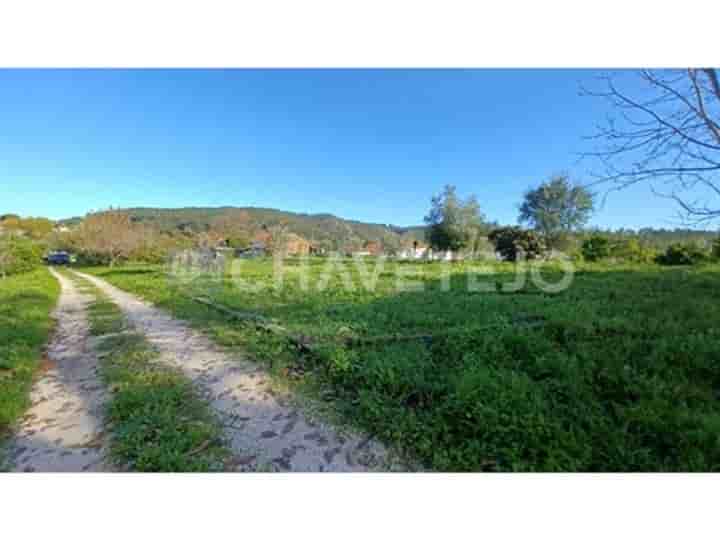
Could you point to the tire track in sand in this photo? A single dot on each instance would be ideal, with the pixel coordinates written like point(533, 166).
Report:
point(261, 428)
point(63, 429)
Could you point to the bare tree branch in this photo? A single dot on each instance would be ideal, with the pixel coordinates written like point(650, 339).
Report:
point(712, 76)
point(668, 131)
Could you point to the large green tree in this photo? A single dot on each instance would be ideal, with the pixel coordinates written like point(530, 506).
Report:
point(557, 207)
point(453, 223)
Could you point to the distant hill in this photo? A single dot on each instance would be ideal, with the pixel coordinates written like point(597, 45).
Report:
point(321, 228)
point(335, 232)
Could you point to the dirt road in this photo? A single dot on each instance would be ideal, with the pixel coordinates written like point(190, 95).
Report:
point(63, 429)
point(262, 429)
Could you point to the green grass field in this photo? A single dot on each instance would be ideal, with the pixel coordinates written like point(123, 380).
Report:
point(620, 372)
point(26, 301)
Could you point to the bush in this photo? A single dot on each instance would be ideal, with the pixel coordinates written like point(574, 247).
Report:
point(633, 251)
point(92, 259)
point(682, 254)
point(19, 255)
point(511, 241)
point(149, 255)
point(595, 248)
point(566, 243)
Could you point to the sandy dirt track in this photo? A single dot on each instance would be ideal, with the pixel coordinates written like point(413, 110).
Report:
point(262, 429)
point(63, 429)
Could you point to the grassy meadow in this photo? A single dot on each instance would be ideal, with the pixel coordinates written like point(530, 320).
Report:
point(26, 301)
point(618, 372)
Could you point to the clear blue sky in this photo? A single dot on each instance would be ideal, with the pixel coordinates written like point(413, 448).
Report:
point(372, 145)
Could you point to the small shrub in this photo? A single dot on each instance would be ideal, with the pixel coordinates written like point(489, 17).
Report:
point(682, 254)
point(595, 248)
point(85, 258)
point(510, 242)
point(337, 360)
point(645, 255)
point(565, 242)
point(19, 255)
point(633, 251)
point(149, 255)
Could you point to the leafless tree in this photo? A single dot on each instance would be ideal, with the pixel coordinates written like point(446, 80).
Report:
point(666, 131)
point(235, 226)
point(110, 233)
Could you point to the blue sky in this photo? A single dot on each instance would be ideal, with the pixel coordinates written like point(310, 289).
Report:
point(372, 145)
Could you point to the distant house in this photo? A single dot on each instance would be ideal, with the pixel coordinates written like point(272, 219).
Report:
point(223, 250)
point(256, 249)
point(263, 236)
point(417, 251)
point(258, 245)
point(262, 244)
point(296, 245)
point(373, 248)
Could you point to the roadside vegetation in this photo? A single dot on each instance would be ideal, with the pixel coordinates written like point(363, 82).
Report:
point(158, 423)
point(26, 301)
point(616, 373)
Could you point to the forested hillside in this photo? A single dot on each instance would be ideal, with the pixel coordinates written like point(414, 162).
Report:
point(326, 229)
point(334, 232)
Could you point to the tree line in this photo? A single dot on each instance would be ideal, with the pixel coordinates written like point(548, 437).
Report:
point(556, 214)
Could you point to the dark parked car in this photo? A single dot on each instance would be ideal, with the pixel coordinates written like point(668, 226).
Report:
point(58, 257)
